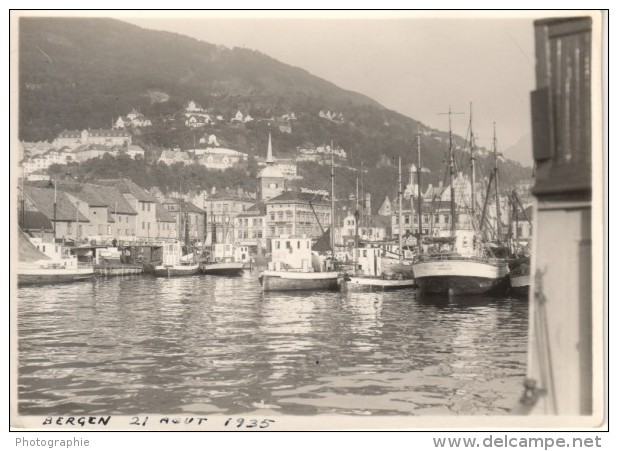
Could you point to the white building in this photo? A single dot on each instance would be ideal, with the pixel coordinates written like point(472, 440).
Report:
point(170, 157)
point(219, 158)
point(75, 138)
point(135, 151)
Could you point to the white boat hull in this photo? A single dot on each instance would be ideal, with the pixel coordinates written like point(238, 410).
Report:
point(38, 276)
point(299, 281)
point(359, 283)
point(176, 270)
point(461, 276)
point(520, 284)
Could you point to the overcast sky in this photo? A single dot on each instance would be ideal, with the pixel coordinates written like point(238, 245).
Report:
point(416, 66)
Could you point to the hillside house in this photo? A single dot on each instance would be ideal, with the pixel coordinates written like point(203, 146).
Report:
point(75, 138)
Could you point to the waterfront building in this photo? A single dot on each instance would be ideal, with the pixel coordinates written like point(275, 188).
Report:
point(251, 227)
point(297, 214)
point(189, 218)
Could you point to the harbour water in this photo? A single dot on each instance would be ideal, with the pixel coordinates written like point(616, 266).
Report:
point(209, 345)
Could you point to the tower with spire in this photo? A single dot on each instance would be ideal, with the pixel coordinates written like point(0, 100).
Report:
point(271, 181)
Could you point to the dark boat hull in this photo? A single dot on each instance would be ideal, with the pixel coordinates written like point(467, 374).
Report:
point(222, 269)
point(461, 276)
point(461, 284)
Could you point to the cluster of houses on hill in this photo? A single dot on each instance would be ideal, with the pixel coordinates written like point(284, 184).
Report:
point(133, 119)
point(221, 158)
point(75, 146)
point(320, 153)
point(334, 117)
point(121, 211)
point(198, 117)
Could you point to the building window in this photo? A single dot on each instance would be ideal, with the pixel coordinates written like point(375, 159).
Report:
point(143, 225)
point(277, 244)
point(288, 245)
point(272, 216)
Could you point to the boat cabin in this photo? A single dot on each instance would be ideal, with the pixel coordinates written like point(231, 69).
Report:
point(369, 261)
point(291, 253)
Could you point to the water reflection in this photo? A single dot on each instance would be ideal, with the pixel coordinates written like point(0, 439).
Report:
point(214, 344)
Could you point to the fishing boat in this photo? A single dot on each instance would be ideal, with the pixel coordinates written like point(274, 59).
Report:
point(44, 263)
point(219, 264)
point(519, 275)
point(175, 264)
point(368, 273)
point(293, 265)
point(519, 262)
point(176, 261)
point(465, 263)
point(295, 268)
point(370, 276)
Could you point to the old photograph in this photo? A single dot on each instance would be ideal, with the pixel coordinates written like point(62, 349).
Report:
point(276, 220)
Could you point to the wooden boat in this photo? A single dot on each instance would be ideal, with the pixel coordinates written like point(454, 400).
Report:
point(467, 266)
point(377, 283)
point(174, 264)
point(273, 280)
point(45, 263)
point(519, 276)
point(368, 273)
point(181, 269)
point(220, 264)
point(457, 274)
point(222, 268)
point(295, 268)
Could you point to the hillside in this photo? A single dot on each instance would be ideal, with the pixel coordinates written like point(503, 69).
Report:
point(81, 73)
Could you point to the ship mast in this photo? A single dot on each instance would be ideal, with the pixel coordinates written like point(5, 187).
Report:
point(400, 220)
point(451, 170)
point(498, 219)
point(418, 184)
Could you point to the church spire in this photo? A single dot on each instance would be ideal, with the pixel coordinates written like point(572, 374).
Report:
point(269, 155)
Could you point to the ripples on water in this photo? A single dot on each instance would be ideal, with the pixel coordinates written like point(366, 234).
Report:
point(217, 345)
